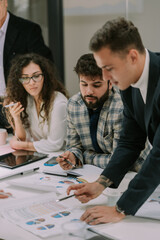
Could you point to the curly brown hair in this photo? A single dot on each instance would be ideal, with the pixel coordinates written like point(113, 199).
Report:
point(15, 92)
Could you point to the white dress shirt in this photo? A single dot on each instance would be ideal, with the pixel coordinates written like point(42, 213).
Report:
point(3, 31)
point(142, 83)
point(48, 137)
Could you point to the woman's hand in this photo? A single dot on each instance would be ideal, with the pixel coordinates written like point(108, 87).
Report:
point(16, 110)
point(15, 144)
point(21, 145)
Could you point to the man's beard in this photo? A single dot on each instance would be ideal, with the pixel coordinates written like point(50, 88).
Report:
point(99, 102)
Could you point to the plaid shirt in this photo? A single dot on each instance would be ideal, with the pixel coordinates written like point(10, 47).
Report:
point(109, 126)
point(79, 139)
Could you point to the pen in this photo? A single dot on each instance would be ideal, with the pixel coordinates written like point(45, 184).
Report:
point(64, 198)
point(68, 161)
point(29, 171)
point(10, 105)
point(81, 180)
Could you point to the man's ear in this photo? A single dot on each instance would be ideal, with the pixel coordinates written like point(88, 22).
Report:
point(6, 3)
point(133, 55)
point(109, 84)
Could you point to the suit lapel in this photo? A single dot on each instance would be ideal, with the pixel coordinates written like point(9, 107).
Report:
point(152, 83)
point(139, 106)
point(11, 35)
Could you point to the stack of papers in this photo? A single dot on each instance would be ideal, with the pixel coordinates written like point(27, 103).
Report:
point(42, 216)
point(87, 172)
point(56, 179)
point(44, 182)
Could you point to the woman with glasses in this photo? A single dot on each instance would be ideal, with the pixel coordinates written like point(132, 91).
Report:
point(36, 105)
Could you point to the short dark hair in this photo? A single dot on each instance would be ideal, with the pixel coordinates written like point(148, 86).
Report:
point(87, 66)
point(119, 35)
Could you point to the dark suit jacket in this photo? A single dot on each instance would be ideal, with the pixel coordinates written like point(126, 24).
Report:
point(139, 122)
point(22, 36)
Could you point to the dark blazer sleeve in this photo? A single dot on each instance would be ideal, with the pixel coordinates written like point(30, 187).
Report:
point(145, 182)
point(148, 178)
point(23, 36)
point(131, 143)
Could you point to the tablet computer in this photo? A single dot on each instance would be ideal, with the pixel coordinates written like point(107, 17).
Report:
point(20, 158)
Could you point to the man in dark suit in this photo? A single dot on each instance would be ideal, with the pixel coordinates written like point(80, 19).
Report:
point(23, 36)
point(17, 36)
point(119, 51)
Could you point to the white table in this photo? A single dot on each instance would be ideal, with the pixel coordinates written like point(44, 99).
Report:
point(10, 231)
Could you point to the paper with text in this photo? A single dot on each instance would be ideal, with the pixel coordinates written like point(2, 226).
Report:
point(89, 172)
point(42, 216)
point(45, 182)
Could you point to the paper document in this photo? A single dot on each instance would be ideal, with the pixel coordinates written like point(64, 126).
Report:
point(41, 181)
point(88, 172)
point(151, 208)
point(42, 216)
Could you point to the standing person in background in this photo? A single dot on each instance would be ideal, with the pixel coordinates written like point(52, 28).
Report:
point(119, 52)
point(17, 36)
point(39, 114)
point(94, 118)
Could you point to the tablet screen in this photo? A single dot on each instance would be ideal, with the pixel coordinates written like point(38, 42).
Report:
point(51, 162)
point(20, 158)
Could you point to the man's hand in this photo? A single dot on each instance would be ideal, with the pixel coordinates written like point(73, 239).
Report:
point(101, 214)
point(86, 191)
point(70, 157)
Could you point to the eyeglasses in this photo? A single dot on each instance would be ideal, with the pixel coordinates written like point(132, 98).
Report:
point(35, 78)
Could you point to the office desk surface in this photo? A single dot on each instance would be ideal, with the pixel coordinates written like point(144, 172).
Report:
point(120, 231)
point(9, 230)
point(17, 233)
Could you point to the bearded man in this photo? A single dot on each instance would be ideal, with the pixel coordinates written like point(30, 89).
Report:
point(94, 120)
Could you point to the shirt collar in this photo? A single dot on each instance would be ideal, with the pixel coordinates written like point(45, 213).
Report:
point(144, 76)
point(5, 24)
